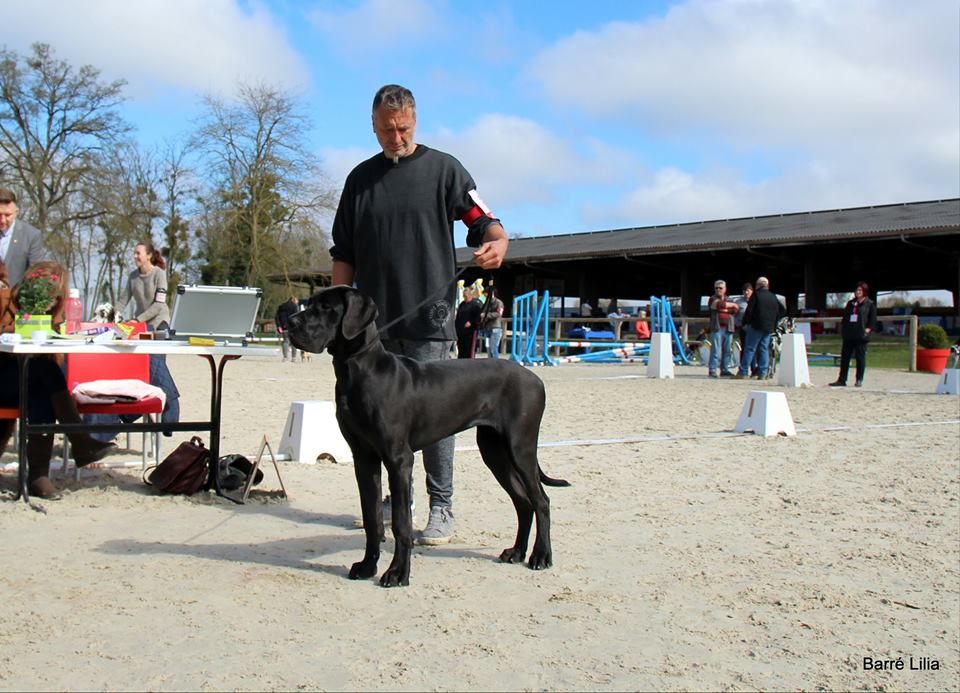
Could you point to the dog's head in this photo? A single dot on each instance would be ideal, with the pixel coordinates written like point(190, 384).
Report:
point(103, 313)
point(334, 319)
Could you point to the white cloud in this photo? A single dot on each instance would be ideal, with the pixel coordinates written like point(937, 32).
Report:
point(797, 69)
point(671, 195)
point(513, 160)
point(379, 26)
point(155, 44)
point(337, 163)
point(848, 103)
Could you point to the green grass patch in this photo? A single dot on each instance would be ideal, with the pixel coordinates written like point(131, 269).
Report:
point(883, 352)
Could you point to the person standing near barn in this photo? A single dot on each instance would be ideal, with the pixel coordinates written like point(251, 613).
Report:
point(722, 327)
point(467, 324)
point(492, 323)
point(760, 320)
point(859, 322)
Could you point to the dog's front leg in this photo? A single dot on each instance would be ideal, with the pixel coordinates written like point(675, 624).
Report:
point(366, 468)
point(400, 472)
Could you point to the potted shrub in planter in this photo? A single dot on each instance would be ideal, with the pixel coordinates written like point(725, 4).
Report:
point(933, 348)
point(34, 296)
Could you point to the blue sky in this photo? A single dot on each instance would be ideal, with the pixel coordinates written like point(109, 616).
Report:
point(571, 115)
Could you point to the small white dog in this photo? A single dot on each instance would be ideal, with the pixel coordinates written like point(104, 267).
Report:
point(103, 313)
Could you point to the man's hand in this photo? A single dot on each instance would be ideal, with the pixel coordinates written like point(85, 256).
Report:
point(490, 255)
point(491, 252)
point(342, 273)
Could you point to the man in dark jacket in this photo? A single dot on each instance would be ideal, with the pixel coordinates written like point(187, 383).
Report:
point(284, 312)
point(760, 320)
point(469, 314)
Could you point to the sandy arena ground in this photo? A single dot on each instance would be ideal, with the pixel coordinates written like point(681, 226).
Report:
point(686, 557)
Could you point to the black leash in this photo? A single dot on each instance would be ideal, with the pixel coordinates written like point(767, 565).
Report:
point(431, 297)
point(488, 302)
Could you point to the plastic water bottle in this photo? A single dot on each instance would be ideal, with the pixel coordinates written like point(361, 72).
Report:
point(73, 311)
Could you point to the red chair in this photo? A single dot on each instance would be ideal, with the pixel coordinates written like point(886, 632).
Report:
point(10, 413)
point(84, 368)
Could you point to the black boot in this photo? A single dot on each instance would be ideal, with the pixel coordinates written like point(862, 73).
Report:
point(86, 448)
point(39, 449)
point(6, 430)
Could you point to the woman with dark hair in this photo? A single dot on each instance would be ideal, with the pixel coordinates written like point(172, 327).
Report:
point(859, 322)
point(742, 302)
point(49, 399)
point(147, 286)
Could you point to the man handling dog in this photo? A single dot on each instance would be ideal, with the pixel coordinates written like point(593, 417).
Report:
point(393, 239)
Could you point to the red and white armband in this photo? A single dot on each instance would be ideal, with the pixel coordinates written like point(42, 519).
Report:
point(478, 210)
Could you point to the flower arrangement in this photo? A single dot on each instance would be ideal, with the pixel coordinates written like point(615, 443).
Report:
point(38, 293)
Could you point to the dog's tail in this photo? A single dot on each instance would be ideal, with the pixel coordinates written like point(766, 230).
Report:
point(550, 481)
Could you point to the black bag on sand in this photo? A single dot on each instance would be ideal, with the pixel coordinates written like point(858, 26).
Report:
point(183, 471)
point(234, 470)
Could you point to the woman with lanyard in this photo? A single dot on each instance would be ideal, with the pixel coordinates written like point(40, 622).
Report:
point(859, 321)
point(147, 286)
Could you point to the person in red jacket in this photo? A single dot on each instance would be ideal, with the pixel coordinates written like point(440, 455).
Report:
point(722, 327)
point(641, 327)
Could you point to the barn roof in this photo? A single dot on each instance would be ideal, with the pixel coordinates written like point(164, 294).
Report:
point(856, 223)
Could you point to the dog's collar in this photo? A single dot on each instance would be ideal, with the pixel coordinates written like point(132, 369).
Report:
point(362, 350)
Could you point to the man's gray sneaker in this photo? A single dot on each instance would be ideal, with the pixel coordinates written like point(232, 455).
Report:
point(439, 528)
point(388, 513)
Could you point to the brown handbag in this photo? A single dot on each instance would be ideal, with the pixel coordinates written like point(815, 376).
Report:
point(7, 315)
point(183, 471)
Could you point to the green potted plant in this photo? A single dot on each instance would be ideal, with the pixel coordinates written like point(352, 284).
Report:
point(933, 348)
point(36, 295)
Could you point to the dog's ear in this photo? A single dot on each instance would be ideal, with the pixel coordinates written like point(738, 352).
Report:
point(358, 312)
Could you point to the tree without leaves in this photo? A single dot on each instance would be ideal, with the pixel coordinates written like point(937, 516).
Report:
point(127, 196)
point(178, 186)
point(55, 124)
point(266, 185)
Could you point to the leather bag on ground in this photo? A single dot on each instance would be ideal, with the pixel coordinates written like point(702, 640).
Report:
point(183, 471)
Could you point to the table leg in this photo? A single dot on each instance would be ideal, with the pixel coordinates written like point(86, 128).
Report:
point(216, 401)
point(23, 465)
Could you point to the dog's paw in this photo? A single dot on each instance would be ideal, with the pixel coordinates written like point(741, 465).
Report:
point(540, 560)
point(395, 578)
point(513, 555)
point(364, 569)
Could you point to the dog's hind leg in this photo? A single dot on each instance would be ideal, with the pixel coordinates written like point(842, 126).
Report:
point(495, 455)
point(523, 454)
point(366, 468)
point(400, 471)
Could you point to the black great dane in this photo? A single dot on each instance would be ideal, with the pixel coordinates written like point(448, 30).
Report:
point(390, 406)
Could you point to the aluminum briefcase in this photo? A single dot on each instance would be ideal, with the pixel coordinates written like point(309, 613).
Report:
point(225, 312)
